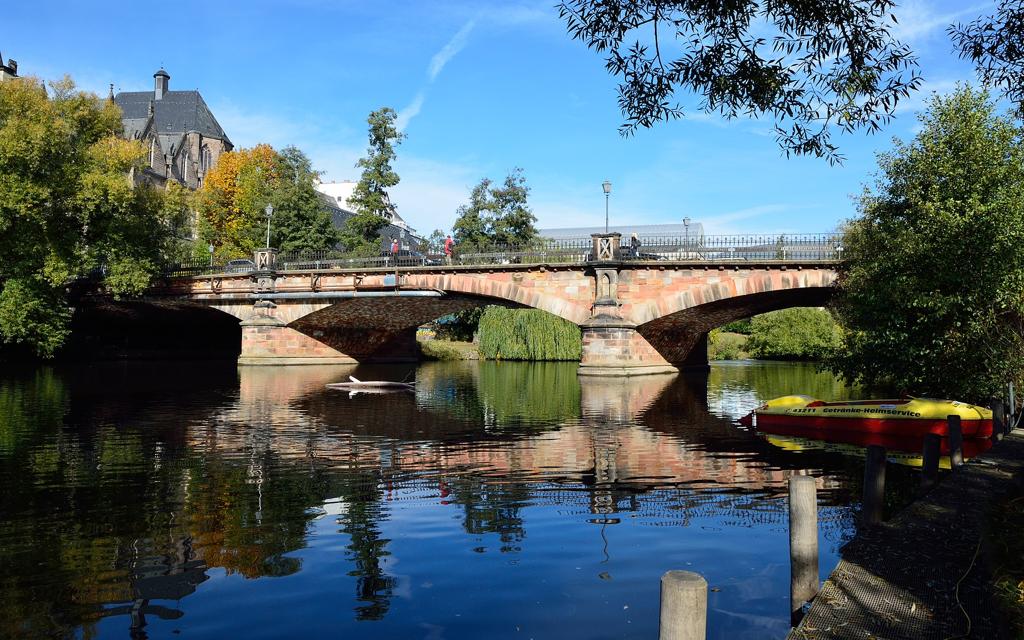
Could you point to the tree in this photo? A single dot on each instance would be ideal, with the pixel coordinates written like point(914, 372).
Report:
point(932, 290)
point(235, 194)
point(801, 333)
point(496, 215)
point(232, 200)
point(995, 44)
point(471, 228)
point(69, 207)
point(434, 243)
point(370, 199)
point(512, 221)
point(301, 221)
point(811, 66)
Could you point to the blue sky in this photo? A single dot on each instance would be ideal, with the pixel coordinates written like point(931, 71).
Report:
point(481, 88)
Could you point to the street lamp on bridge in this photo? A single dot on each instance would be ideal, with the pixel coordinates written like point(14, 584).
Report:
point(607, 186)
point(270, 213)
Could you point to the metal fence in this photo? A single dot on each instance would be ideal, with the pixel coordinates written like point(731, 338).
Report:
point(784, 248)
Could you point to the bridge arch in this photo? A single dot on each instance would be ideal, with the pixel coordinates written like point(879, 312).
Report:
point(681, 337)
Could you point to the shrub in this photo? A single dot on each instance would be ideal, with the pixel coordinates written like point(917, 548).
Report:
point(803, 333)
point(459, 326)
point(723, 345)
point(527, 334)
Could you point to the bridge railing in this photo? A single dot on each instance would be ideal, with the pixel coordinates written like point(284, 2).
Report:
point(818, 247)
point(822, 247)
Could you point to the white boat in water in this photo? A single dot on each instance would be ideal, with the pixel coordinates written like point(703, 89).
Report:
point(354, 385)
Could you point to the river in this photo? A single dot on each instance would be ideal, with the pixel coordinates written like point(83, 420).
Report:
point(500, 500)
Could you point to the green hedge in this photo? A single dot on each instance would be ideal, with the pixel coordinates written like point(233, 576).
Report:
point(527, 334)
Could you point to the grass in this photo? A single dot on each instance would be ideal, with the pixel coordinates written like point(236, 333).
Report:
point(1008, 560)
point(448, 350)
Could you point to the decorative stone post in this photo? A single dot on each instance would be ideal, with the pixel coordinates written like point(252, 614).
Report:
point(265, 272)
point(611, 344)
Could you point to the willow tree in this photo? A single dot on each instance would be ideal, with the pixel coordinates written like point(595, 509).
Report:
point(68, 208)
point(932, 290)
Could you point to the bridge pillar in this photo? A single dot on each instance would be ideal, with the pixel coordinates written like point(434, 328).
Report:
point(613, 347)
point(611, 344)
point(267, 340)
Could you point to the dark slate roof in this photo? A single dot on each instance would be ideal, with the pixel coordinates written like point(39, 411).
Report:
point(177, 112)
point(341, 216)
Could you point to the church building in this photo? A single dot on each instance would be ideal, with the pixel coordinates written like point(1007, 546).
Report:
point(183, 136)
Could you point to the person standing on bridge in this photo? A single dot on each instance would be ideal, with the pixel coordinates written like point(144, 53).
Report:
point(634, 246)
point(449, 246)
point(394, 250)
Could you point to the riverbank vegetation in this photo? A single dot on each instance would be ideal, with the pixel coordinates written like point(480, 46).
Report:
point(931, 289)
point(801, 333)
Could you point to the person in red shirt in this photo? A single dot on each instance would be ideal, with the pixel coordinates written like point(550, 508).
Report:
point(449, 246)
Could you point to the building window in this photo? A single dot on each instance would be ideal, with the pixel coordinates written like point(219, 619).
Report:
point(205, 159)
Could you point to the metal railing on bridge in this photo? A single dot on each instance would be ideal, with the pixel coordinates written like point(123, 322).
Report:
point(781, 248)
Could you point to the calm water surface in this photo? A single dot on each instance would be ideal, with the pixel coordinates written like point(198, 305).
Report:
point(499, 500)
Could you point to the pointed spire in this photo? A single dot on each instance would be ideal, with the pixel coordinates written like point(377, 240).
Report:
point(110, 96)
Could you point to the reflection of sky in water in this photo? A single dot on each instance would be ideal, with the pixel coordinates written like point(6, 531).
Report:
point(506, 500)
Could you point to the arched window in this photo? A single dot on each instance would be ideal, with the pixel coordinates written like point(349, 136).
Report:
point(205, 159)
point(152, 152)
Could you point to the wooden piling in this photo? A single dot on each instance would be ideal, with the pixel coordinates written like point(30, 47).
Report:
point(803, 544)
point(874, 485)
point(956, 441)
point(684, 606)
point(998, 419)
point(930, 461)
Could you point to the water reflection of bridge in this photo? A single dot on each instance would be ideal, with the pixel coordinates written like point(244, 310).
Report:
point(639, 433)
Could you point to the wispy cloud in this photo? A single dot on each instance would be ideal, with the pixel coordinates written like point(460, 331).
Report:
point(437, 64)
point(449, 50)
point(410, 111)
point(919, 19)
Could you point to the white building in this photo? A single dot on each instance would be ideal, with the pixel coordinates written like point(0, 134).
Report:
point(340, 192)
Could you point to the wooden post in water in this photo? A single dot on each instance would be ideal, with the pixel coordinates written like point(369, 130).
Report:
point(684, 606)
point(998, 419)
point(930, 461)
point(803, 544)
point(874, 485)
point(956, 441)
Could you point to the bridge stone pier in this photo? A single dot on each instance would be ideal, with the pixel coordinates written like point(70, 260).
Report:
point(637, 317)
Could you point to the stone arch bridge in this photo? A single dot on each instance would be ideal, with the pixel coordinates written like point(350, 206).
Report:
point(637, 316)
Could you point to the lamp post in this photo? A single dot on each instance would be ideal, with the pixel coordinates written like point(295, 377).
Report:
point(210, 248)
point(607, 186)
point(270, 213)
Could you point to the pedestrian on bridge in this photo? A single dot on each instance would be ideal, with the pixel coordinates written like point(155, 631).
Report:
point(634, 246)
point(449, 246)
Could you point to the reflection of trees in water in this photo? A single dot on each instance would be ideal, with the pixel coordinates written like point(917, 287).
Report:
point(363, 497)
point(491, 507)
point(128, 484)
point(501, 394)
